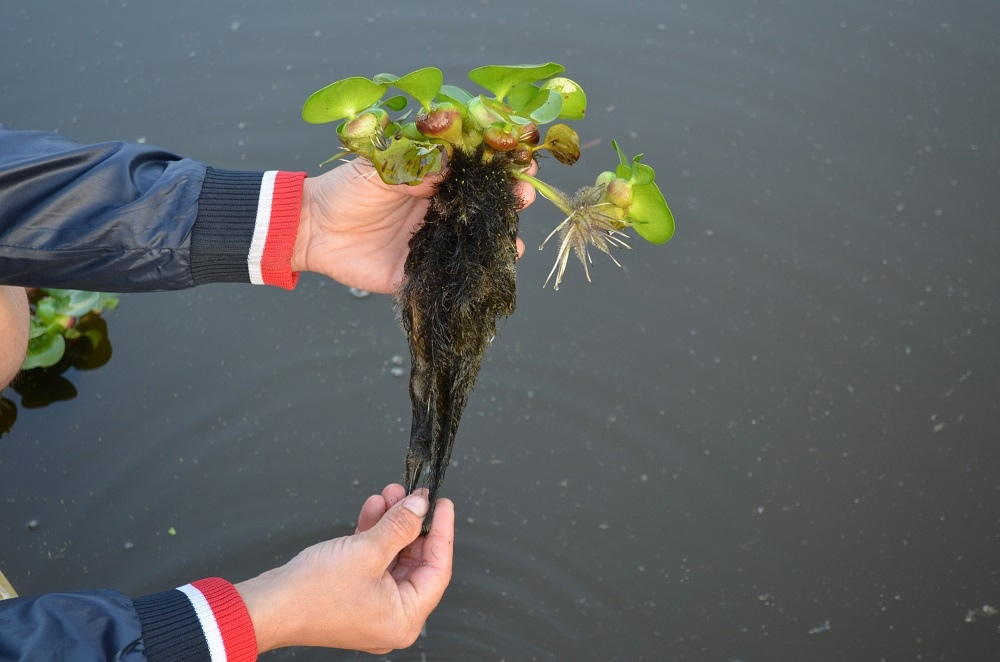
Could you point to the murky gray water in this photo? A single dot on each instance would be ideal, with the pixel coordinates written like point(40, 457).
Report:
point(774, 437)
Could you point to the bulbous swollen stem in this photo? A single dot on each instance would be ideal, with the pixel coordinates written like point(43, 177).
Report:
point(619, 192)
point(443, 121)
point(499, 137)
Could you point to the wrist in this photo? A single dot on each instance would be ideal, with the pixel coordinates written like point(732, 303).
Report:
point(300, 248)
point(270, 618)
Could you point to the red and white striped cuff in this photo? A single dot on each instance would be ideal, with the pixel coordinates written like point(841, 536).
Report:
point(278, 210)
point(246, 227)
point(225, 621)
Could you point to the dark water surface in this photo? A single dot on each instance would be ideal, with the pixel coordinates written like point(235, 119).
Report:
point(774, 438)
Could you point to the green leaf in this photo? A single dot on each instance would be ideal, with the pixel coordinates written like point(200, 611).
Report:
point(574, 101)
point(622, 159)
point(542, 106)
point(344, 98)
point(520, 95)
point(334, 157)
point(44, 351)
point(637, 173)
point(650, 215)
point(642, 174)
point(50, 310)
point(456, 94)
point(396, 103)
point(75, 303)
point(499, 79)
point(107, 301)
point(37, 328)
point(422, 84)
point(408, 161)
point(498, 109)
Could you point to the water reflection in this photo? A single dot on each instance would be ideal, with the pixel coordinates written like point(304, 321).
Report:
point(40, 387)
point(786, 418)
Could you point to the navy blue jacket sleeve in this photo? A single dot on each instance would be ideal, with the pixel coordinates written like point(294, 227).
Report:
point(98, 625)
point(88, 214)
point(204, 621)
point(130, 217)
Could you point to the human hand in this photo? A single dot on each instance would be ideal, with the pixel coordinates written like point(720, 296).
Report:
point(15, 318)
point(356, 229)
point(371, 591)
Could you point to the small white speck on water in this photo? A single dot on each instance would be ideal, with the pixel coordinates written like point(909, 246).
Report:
point(358, 293)
point(822, 627)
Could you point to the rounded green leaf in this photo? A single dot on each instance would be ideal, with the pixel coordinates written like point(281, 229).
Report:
point(642, 174)
point(574, 101)
point(44, 350)
point(422, 84)
point(499, 79)
point(344, 98)
point(540, 105)
point(650, 215)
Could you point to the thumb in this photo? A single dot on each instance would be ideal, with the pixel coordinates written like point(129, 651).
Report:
point(400, 525)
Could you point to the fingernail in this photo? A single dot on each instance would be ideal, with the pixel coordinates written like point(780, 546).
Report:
point(417, 504)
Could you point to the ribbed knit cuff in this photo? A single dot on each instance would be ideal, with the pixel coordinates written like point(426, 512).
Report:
point(246, 227)
point(205, 620)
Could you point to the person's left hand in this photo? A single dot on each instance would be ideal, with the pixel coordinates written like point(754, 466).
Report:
point(356, 229)
point(370, 591)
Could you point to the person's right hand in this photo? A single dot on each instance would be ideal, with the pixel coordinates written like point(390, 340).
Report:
point(371, 591)
point(356, 229)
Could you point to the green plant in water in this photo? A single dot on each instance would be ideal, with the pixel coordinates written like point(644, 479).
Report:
point(522, 98)
point(54, 320)
point(459, 275)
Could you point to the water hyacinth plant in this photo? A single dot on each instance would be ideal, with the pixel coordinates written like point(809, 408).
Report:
point(524, 98)
point(459, 275)
point(55, 318)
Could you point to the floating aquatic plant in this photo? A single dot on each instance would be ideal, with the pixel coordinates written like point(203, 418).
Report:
point(55, 317)
point(524, 97)
point(459, 275)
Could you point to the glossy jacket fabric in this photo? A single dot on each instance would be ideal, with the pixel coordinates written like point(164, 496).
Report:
point(204, 621)
point(61, 626)
point(129, 217)
point(126, 217)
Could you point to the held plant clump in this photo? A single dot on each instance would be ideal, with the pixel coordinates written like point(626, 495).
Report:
point(459, 276)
